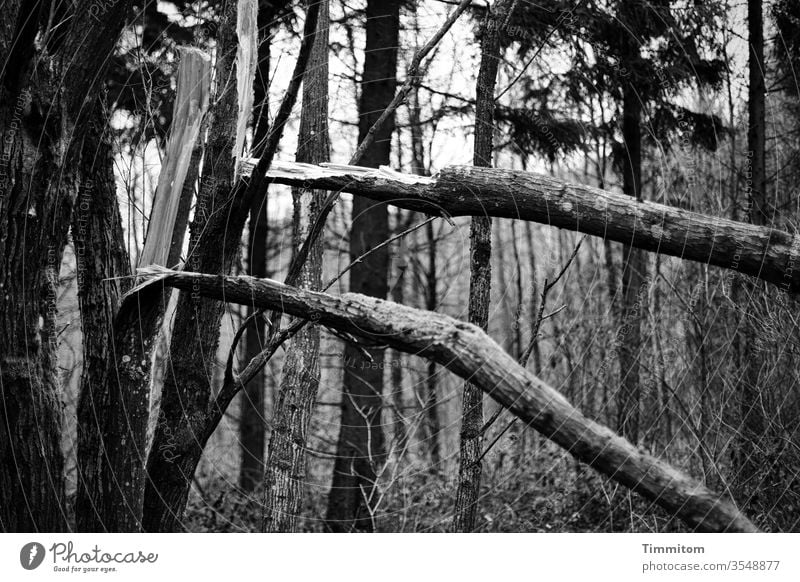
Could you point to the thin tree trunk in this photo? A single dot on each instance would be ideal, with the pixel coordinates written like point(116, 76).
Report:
point(480, 268)
point(252, 424)
point(398, 296)
point(751, 405)
point(633, 276)
point(431, 398)
point(188, 417)
point(360, 450)
point(285, 469)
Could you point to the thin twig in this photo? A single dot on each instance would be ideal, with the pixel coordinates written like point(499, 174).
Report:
point(235, 343)
point(497, 438)
point(523, 360)
point(375, 248)
point(540, 316)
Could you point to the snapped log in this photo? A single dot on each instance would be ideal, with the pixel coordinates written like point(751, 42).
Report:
point(769, 254)
point(467, 351)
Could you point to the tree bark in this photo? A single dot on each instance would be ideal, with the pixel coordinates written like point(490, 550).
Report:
point(769, 254)
point(103, 266)
point(286, 455)
point(480, 268)
point(360, 450)
point(43, 104)
point(634, 287)
point(467, 351)
point(753, 423)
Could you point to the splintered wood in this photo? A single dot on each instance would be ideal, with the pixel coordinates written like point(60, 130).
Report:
point(246, 61)
point(191, 103)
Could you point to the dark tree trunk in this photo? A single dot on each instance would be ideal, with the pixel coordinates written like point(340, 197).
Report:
point(360, 451)
point(43, 105)
point(480, 267)
point(34, 209)
point(284, 474)
point(103, 266)
point(252, 423)
point(634, 291)
point(760, 211)
point(751, 405)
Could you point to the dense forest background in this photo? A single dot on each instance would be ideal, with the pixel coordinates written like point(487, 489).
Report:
point(166, 135)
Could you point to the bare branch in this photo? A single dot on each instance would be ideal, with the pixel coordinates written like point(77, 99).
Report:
point(467, 351)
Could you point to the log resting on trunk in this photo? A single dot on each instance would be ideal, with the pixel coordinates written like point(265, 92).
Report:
point(468, 352)
point(769, 254)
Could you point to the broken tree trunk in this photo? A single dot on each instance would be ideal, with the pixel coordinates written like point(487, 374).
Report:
point(191, 103)
point(467, 351)
point(130, 364)
point(215, 238)
point(759, 251)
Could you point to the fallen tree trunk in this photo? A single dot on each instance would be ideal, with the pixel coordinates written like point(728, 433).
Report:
point(759, 251)
point(468, 352)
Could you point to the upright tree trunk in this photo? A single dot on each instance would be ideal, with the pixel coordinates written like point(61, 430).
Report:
point(215, 235)
point(471, 443)
point(35, 200)
point(759, 208)
point(431, 399)
point(751, 406)
point(251, 413)
point(137, 327)
point(360, 451)
point(633, 274)
point(397, 293)
point(285, 470)
point(103, 266)
point(43, 108)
